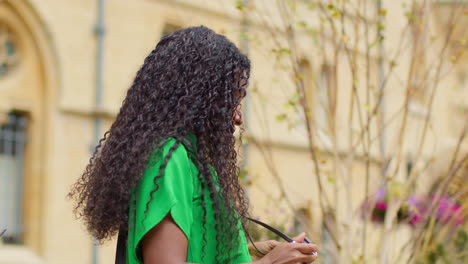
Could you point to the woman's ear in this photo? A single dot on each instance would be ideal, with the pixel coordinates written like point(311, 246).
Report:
point(238, 120)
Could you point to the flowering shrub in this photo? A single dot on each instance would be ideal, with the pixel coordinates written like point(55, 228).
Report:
point(415, 209)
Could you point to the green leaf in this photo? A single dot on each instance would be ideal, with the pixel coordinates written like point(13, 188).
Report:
point(240, 4)
point(296, 96)
point(410, 15)
point(302, 24)
point(245, 140)
point(382, 12)
point(281, 117)
point(292, 103)
point(397, 189)
point(243, 172)
point(285, 51)
point(380, 26)
point(281, 51)
point(330, 6)
point(358, 259)
point(460, 109)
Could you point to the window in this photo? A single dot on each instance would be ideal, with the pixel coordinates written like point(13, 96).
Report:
point(8, 50)
point(12, 141)
point(324, 87)
point(418, 77)
point(319, 94)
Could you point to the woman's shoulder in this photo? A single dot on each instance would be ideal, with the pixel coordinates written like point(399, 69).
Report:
point(169, 146)
point(172, 153)
point(172, 157)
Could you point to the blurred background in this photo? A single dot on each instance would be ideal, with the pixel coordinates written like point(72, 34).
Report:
point(356, 119)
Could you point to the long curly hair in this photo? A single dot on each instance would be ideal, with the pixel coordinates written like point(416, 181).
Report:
point(188, 84)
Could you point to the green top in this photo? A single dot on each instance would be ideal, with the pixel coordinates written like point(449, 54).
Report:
point(179, 194)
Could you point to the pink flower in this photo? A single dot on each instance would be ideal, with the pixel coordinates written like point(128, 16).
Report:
point(415, 218)
point(417, 209)
point(381, 205)
point(449, 212)
point(446, 212)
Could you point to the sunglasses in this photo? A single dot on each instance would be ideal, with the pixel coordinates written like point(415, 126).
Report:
point(277, 232)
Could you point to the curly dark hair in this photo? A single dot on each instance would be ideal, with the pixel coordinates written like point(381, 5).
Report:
point(188, 84)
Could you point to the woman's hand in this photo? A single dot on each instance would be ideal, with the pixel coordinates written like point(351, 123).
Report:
point(284, 253)
point(263, 246)
point(269, 245)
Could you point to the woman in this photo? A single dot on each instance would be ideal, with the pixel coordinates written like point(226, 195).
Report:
point(165, 174)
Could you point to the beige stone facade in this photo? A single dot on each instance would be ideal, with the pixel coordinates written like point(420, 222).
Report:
point(53, 84)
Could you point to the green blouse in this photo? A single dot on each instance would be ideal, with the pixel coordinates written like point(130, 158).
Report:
point(179, 194)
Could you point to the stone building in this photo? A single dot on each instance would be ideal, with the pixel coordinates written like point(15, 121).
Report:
point(59, 89)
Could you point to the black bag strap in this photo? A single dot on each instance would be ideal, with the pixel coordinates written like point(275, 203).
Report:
point(121, 251)
point(272, 229)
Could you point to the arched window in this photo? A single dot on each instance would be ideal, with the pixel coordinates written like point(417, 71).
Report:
point(8, 50)
point(324, 86)
point(12, 141)
point(318, 92)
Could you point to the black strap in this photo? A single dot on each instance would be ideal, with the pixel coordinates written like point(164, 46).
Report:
point(272, 229)
point(121, 251)
point(253, 243)
point(276, 231)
